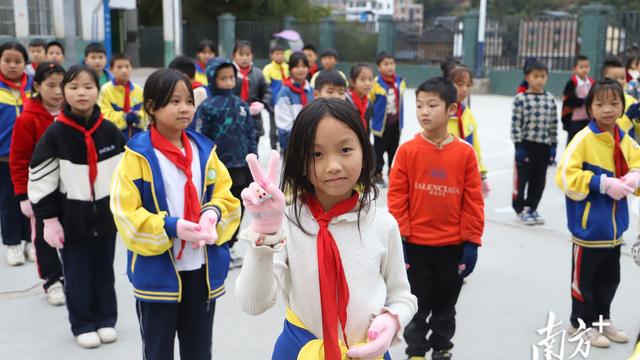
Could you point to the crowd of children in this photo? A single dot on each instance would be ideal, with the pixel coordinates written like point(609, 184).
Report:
point(355, 278)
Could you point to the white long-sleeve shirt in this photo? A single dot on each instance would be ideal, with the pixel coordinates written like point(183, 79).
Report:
point(373, 263)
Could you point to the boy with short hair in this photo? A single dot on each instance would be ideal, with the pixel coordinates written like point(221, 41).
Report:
point(275, 73)
point(186, 66)
point(329, 60)
point(55, 52)
point(435, 195)
point(574, 113)
point(121, 100)
point(613, 68)
point(205, 51)
point(37, 54)
point(329, 84)
point(386, 124)
point(534, 132)
point(95, 55)
point(225, 119)
point(312, 56)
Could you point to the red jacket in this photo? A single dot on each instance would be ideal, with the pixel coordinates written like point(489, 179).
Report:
point(28, 129)
point(435, 194)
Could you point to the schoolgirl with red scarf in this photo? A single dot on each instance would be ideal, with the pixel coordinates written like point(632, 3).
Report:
point(69, 186)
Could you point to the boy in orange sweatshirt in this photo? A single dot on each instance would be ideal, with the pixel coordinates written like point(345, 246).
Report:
point(435, 195)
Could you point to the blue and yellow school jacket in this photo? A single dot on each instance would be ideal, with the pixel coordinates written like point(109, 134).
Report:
point(273, 75)
point(470, 128)
point(628, 125)
point(378, 97)
point(201, 73)
point(10, 109)
point(111, 103)
point(595, 220)
point(139, 207)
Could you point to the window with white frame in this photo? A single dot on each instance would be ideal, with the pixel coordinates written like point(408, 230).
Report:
point(7, 23)
point(40, 17)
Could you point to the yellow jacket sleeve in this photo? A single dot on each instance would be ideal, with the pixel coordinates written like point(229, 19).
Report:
point(631, 151)
point(106, 99)
point(476, 144)
point(142, 231)
point(222, 199)
point(570, 177)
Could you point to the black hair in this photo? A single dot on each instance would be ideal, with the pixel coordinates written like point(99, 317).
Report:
point(276, 47)
point(611, 62)
point(94, 47)
point(310, 47)
point(457, 71)
point(535, 65)
point(75, 71)
point(604, 86)
point(357, 69)
point(185, 65)
point(299, 158)
point(120, 56)
point(382, 55)
point(580, 58)
point(14, 45)
point(159, 88)
point(296, 58)
point(442, 87)
point(329, 52)
point(329, 77)
point(450, 63)
point(632, 59)
point(38, 43)
point(55, 43)
point(241, 44)
point(527, 61)
point(206, 43)
point(43, 71)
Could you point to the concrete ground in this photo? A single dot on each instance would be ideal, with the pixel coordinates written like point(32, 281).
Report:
point(522, 275)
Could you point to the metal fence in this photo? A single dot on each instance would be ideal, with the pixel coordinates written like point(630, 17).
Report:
point(194, 33)
point(356, 41)
point(259, 33)
point(7, 25)
point(623, 34)
point(428, 43)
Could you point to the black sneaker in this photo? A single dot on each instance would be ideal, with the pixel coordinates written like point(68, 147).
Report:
point(441, 355)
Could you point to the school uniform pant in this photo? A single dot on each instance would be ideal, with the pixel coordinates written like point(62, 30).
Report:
point(388, 143)
point(530, 177)
point(433, 276)
point(595, 275)
point(241, 178)
point(89, 283)
point(14, 227)
point(192, 319)
point(273, 134)
point(47, 260)
point(258, 126)
point(575, 127)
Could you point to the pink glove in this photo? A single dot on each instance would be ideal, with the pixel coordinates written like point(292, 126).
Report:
point(616, 188)
point(263, 199)
point(53, 233)
point(632, 180)
point(381, 332)
point(25, 207)
point(255, 108)
point(486, 189)
point(192, 232)
point(208, 221)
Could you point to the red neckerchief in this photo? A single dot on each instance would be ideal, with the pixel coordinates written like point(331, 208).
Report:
point(24, 80)
point(313, 69)
point(334, 290)
point(92, 154)
point(244, 91)
point(460, 124)
point(203, 66)
point(574, 80)
point(522, 88)
point(196, 84)
point(126, 107)
point(391, 81)
point(183, 163)
point(361, 104)
point(298, 90)
point(622, 168)
point(284, 76)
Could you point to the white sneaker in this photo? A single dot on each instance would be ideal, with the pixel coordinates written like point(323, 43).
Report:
point(88, 340)
point(614, 334)
point(596, 338)
point(30, 251)
point(55, 294)
point(15, 255)
point(107, 335)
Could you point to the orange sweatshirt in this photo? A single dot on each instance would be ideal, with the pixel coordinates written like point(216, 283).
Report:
point(435, 194)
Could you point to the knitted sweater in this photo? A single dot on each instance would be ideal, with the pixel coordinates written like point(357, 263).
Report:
point(373, 264)
point(535, 118)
